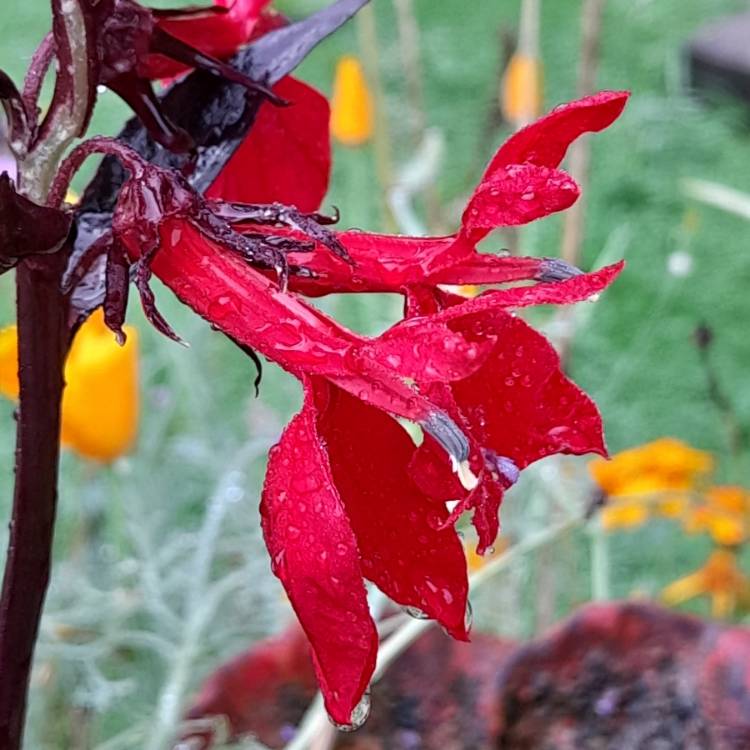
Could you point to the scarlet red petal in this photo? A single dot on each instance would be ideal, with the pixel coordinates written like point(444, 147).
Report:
point(286, 156)
point(216, 34)
point(483, 268)
point(314, 553)
point(402, 546)
point(382, 263)
point(575, 289)
point(519, 407)
point(516, 194)
point(485, 500)
point(519, 404)
point(428, 352)
point(545, 141)
point(432, 473)
point(224, 289)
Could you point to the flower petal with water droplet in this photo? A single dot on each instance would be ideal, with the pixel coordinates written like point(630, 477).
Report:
point(576, 289)
point(403, 548)
point(428, 352)
point(315, 555)
point(546, 141)
point(514, 195)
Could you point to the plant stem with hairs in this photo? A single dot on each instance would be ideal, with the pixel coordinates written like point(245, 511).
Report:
point(43, 339)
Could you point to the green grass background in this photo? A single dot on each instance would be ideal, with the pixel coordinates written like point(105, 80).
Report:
point(634, 355)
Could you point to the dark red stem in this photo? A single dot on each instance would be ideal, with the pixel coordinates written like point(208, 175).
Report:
point(42, 342)
point(38, 68)
point(129, 158)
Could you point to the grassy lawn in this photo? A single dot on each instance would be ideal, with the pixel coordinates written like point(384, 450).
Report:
point(204, 436)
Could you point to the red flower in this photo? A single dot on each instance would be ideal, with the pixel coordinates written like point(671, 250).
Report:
point(287, 152)
point(137, 45)
point(521, 184)
point(348, 496)
point(217, 31)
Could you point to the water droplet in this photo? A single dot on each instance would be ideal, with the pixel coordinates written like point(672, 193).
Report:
point(415, 612)
point(358, 717)
point(469, 616)
point(447, 596)
point(393, 360)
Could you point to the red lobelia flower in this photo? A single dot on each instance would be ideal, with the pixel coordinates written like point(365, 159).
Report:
point(136, 45)
point(218, 31)
point(348, 496)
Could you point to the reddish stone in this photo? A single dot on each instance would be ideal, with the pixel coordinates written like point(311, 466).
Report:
point(631, 677)
point(619, 676)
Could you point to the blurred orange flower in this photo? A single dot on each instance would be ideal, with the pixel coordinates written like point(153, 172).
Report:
point(724, 513)
point(719, 578)
point(100, 404)
point(667, 467)
point(351, 104)
point(521, 92)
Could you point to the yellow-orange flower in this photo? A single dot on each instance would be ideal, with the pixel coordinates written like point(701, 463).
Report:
point(724, 514)
point(666, 467)
point(521, 91)
point(624, 514)
point(100, 404)
point(660, 466)
point(720, 578)
point(351, 104)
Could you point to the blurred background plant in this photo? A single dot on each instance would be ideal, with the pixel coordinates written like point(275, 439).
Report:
point(161, 572)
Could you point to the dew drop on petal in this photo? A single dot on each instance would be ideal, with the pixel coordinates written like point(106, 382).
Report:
point(415, 612)
point(469, 616)
point(359, 715)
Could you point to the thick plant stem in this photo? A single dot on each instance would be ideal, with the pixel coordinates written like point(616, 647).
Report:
point(42, 343)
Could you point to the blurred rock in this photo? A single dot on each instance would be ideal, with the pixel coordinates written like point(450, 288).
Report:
point(439, 694)
point(630, 677)
point(718, 57)
point(619, 676)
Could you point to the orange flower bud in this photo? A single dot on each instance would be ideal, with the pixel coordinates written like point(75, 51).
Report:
point(351, 105)
point(100, 403)
point(521, 92)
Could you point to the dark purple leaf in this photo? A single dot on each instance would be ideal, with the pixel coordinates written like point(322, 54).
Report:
point(27, 228)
